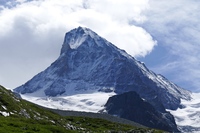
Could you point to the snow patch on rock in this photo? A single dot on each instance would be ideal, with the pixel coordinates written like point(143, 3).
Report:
point(4, 113)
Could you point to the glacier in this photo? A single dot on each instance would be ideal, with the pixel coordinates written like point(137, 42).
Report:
point(90, 102)
point(188, 117)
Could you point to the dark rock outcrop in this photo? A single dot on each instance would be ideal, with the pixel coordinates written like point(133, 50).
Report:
point(130, 106)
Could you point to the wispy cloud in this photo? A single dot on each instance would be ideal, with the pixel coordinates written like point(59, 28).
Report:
point(175, 24)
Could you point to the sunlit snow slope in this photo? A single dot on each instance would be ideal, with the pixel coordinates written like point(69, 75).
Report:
point(188, 117)
point(90, 102)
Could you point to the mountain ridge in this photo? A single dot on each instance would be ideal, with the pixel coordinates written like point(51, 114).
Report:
point(98, 64)
point(90, 67)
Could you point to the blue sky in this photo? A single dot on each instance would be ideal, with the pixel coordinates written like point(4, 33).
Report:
point(163, 34)
point(175, 25)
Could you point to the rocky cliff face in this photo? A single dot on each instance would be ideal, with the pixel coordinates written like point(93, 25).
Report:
point(130, 106)
point(89, 63)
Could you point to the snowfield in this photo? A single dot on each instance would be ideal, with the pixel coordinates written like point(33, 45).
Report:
point(78, 102)
point(188, 118)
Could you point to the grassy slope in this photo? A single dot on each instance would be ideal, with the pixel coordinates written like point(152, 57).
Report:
point(25, 117)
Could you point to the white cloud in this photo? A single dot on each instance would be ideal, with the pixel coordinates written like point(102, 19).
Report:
point(123, 11)
point(31, 33)
point(124, 36)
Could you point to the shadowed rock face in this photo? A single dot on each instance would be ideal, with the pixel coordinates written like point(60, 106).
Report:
point(90, 63)
point(130, 106)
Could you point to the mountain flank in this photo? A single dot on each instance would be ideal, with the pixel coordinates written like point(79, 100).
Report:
point(90, 71)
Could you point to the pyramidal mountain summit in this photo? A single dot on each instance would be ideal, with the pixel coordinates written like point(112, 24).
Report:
point(90, 70)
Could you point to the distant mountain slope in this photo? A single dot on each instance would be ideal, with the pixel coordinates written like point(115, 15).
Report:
point(89, 63)
point(17, 115)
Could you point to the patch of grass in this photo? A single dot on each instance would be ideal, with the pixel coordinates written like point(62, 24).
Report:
point(20, 125)
point(100, 125)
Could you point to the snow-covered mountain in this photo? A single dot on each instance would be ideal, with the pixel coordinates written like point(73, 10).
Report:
point(90, 69)
point(89, 63)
